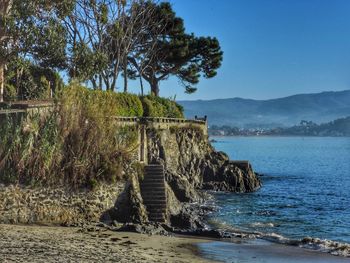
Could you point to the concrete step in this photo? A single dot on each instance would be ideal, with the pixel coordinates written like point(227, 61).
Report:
point(152, 199)
point(155, 204)
point(151, 167)
point(153, 184)
point(154, 195)
point(154, 170)
point(156, 208)
point(153, 192)
point(152, 178)
point(150, 187)
point(153, 175)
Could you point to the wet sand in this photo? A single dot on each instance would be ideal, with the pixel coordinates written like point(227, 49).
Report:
point(20, 243)
point(259, 251)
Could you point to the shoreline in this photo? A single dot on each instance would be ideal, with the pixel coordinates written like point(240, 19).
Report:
point(35, 243)
point(260, 251)
point(277, 136)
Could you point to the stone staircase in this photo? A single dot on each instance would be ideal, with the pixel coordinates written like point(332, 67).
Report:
point(153, 192)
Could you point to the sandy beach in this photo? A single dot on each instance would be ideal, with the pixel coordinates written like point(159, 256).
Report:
point(19, 243)
point(67, 244)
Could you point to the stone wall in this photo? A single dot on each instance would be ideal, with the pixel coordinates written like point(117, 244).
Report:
point(19, 111)
point(42, 205)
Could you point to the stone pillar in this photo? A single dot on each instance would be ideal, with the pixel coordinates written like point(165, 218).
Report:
point(2, 82)
point(143, 144)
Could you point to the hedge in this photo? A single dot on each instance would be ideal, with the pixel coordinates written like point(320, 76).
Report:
point(160, 107)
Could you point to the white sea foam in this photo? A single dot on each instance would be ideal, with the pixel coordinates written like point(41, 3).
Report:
point(322, 245)
point(261, 224)
point(329, 246)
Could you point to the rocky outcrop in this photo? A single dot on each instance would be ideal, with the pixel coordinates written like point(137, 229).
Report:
point(129, 206)
point(221, 174)
point(192, 164)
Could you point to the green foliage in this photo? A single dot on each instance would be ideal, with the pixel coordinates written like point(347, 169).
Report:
point(73, 145)
point(177, 53)
point(102, 103)
point(10, 92)
point(32, 81)
point(87, 62)
point(160, 107)
point(37, 31)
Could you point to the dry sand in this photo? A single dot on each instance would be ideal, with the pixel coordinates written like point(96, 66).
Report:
point(20, 243)
point(66, 244)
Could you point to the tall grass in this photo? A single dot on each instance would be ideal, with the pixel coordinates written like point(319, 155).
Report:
point(75, 144)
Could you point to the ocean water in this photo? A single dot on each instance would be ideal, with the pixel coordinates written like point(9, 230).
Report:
point(305, 192)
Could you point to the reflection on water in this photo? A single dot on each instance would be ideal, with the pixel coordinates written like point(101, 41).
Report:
point(306, 187)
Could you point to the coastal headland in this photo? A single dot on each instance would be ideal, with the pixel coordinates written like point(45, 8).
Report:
point(101, 222)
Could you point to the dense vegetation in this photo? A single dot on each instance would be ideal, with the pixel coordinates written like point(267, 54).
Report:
point(91, 43)
point(96, 42)
point(160, 107)
point(76, 144)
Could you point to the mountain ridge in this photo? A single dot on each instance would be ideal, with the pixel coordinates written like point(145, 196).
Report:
point(278, 112)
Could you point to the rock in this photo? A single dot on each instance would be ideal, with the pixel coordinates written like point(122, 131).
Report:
point(146, 228)
point(230, 177)
point(129, 205)
point(192, 164)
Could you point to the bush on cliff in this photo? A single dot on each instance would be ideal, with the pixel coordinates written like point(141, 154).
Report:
point(25, 80)
point(74, 144)
point(160, 107)
point(101, 103)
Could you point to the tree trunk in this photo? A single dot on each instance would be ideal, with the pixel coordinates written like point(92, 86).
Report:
point(5, 8)
point(141, 85)
point(2, 81)
point(125, 68)
point(155, 87)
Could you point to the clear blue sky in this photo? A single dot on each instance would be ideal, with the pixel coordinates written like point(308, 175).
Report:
point(272, 48)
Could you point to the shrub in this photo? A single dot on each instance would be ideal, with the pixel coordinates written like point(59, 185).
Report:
point(75, 144)
point(101, 103)
point(10, 92)
point(160, 107)
point(32, 81)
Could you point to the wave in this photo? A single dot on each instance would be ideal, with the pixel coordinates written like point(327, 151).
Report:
point(261, 224)
point(323, 245)
point(333, 247)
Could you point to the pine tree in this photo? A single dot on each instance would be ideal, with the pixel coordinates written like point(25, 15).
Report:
point(174, 52)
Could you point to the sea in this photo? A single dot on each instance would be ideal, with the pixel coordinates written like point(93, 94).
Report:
point(305, 197)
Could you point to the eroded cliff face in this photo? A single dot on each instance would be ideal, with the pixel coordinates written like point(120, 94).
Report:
point(192, 164)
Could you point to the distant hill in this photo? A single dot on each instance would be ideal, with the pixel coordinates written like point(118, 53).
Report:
point(288, 111)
